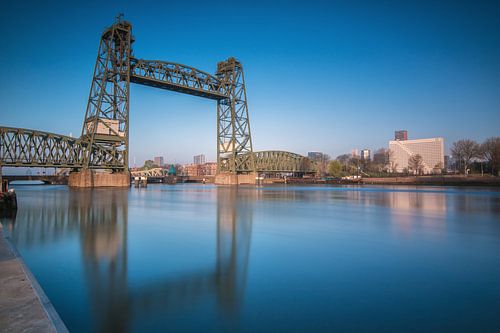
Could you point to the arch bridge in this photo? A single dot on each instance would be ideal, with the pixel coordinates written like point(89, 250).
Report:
point(104, 140)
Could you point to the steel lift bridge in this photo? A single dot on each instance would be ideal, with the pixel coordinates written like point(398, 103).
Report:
point(104, 140)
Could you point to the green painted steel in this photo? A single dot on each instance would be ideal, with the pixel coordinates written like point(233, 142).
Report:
point(21, 147)
point(104, 141)
point(282, 162)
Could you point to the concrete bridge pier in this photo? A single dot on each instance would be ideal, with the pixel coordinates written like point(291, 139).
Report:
point(92, 178)
point(234, 179)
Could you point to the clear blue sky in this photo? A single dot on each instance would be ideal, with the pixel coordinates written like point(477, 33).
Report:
point(327, 76)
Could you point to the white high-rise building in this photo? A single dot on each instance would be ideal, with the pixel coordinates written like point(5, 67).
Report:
point(199, 159)
point(431, 150)
point(366, 154)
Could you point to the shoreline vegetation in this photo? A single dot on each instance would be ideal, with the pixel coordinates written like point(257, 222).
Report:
point(441, 180)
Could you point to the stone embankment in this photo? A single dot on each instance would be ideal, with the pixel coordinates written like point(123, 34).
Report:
point(23, 304)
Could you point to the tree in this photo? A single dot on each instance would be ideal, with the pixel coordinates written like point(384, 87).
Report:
point(379, 157)
point(416, 164)
point(382, 158)
point(335, 168)
point(344, 158)
point(438, 168)
point(393, 166)
point(490, 151)
point(322, 164)
point(149, 164)
point(305, 163)
point(464, 151)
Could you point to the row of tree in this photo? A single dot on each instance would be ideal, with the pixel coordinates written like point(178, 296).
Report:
point(467, 152)
point(347, 164)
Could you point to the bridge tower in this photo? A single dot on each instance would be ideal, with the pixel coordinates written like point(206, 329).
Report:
point(234, 140)
point(106, 126)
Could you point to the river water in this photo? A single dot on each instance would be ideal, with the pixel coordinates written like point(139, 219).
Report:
point(201, 258)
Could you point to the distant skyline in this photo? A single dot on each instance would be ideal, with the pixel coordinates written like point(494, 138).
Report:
point(320, 75)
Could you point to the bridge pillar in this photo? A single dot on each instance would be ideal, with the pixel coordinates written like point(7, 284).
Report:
point(226, 178)
point(91, 178)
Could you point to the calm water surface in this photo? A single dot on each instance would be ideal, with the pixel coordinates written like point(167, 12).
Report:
point(200, 258)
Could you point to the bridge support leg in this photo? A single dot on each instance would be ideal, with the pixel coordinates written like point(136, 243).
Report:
point(234, 179)
point(90, 178)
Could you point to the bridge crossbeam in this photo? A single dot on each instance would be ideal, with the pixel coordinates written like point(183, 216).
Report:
point(176, 77)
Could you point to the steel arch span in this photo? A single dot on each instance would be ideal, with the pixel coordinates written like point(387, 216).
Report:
point(275, 161)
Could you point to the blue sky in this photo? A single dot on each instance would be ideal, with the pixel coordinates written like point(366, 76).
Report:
point(328, 76)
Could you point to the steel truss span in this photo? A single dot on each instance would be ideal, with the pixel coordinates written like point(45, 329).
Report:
point(155, 172)
point(20, 147)
point(104, 140)
point(23, 147)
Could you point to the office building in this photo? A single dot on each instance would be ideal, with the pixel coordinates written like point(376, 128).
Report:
point(401, 135)
point(158, 160)
point(366, 154)
point(315, 156)
point(199, 159)
point(431, 150)
point(355, 152)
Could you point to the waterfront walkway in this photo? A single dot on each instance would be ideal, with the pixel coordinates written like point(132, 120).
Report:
point(23, 305)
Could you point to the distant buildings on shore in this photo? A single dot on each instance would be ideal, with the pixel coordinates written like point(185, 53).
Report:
point(401, 150)
point(195, 170)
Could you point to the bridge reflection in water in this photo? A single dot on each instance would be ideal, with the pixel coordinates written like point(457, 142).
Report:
point(100, 218)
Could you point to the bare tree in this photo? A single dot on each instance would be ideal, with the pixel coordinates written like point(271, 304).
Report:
point(344, 160)
point(393, 166)
point(464, 151)
point(438, 168)
point(416, 164)
point(490, 151)
point(322, 164)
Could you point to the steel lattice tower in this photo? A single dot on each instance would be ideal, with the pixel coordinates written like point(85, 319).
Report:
point(106, 126)
point(234, 141)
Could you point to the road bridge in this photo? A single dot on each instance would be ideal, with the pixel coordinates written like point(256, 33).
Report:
point(104, 140)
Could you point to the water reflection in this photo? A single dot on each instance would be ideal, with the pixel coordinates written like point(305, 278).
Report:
point(358, 229)
point(100, 217)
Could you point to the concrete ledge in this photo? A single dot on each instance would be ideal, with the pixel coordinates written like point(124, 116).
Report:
point(91, 178)
point(24, 307)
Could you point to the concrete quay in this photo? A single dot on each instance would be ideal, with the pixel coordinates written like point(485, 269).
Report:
point(89, 178)
point(24, 307)
point(232, 179)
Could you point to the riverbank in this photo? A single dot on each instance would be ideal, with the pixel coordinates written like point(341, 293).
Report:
point(447, 180)
point(24, 307)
